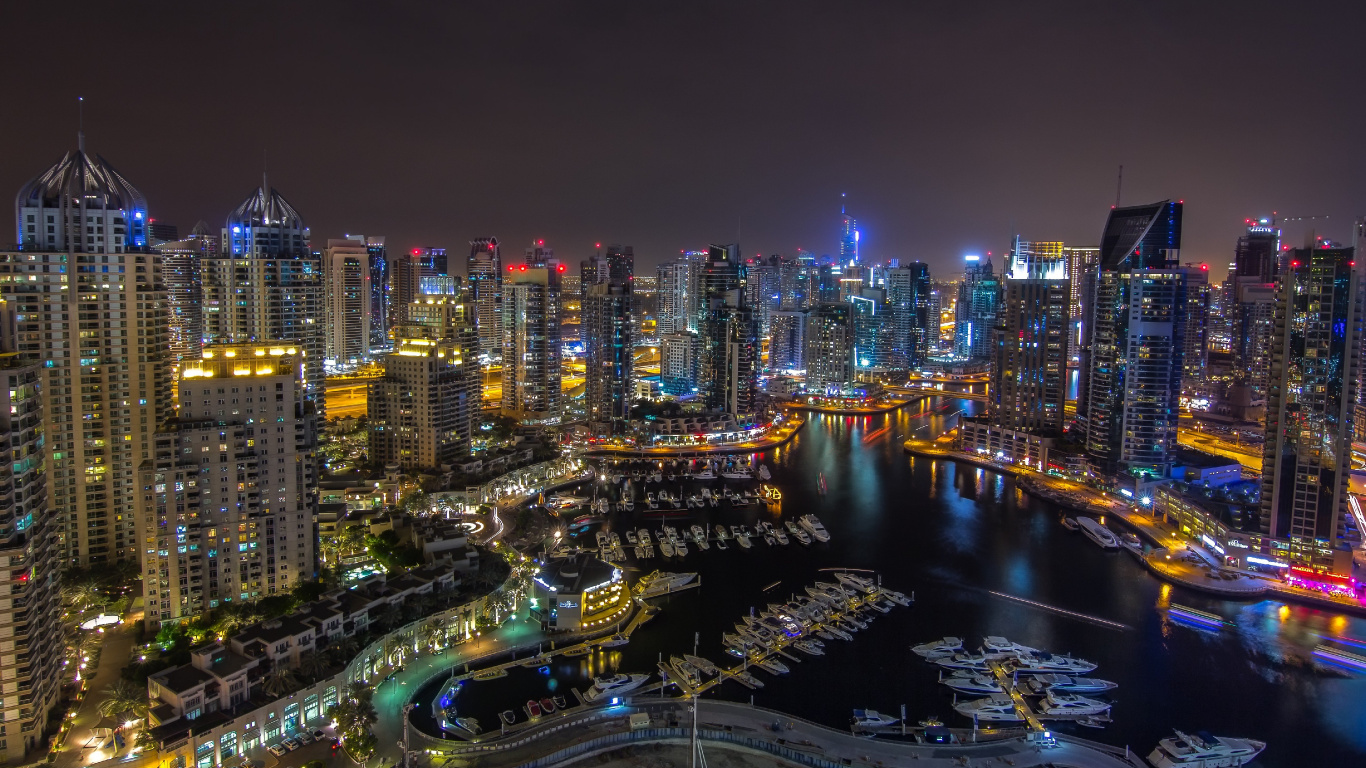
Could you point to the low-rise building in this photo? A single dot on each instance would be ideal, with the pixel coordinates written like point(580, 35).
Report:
point(978, 435)
point(579, 592)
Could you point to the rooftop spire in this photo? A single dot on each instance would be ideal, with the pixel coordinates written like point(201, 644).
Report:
point(80, 123)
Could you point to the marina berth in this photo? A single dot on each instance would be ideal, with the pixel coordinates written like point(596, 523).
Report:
point(1204, 751)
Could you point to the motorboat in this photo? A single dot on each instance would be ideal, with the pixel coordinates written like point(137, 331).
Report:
point(614, 641)
point(651, 501)
point(1039, 661)
point(738, 474)
point(837, 632)
point(1204, 751)
point(561, 702)
point(685, 671)
point(706, 666)
point(1058, 703)
point(1070, 524)
point(644, 538)
point(998, 644)
point(548, 705)
point(839, 589)
point(611, 686)
point(772, 665)
point(681, 549)
point(764, 474)
point(809, 646)
point(1098, 533)
point(856, 582)
point(748, 679)
point(1068, 684)
point(721, 533)
point(879, 606)
point(508, 717)
point(896, 597)
point(631, 538)
point(976, 661)
point(871, 718)
point(699, 534)
point(741, 537)
point(995, 708)
point(978, 683)
point(705, 474)
point(779, 534)
point(661, 582)
point(666, 549)
point(533, 710)
point(813, 526)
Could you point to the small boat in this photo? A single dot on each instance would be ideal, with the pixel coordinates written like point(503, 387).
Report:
point(975, 661)
point(772, 665)
point(706, 666)
point(814, 527)
point(1067, 684)
point(699, 534)
point(611, 686)
point(631, 538)
point(880, 607)
point(681, 549)
point(769, 540)
point(780, 535)
point(995, 708)
point(1204, 751)
point(809, 646)
point(579, 650)
point(1070, 524)
point(1203, 618)
point(977, 684)
point(1057, 703)
point(998, 644)
point(685, 671)
point(665, 548)
point(871, 718)
point(645, 539)
point(561, 703)
point(468, 724)
point(508, 717)
point(533, 710)
point(821, 633)
point(721, 545)
point(614, 641)
point(1098, 533)
point(764, 474)
point(547, 705)
point(837, 632)
point(705, 474)
point(1039, 661)
point(896, 597)
point(741, 537)
point(721, 533)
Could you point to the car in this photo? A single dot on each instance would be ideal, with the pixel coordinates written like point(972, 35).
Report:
point(279, 750)
point(303, 737)
point(319, 734)
point(291, 743)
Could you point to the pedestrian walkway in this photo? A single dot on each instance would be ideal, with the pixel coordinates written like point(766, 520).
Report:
point(114, 653)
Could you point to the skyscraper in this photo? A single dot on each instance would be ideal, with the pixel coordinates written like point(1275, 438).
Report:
point(422, 410)
point(30, 614)
point(113, 369)
point(406, 273)
point(266, 286)
point(1195, 350)
point(727, 335)
point(531, 343)
point(675, 286)
point(1258, 252)
point(347, 299)
point(485, 269)
point(1315, 370)
point(979, 299)
point(911, 327)
point(1136, 342)
point(378, 263)
point(678, 358)
point(227, 502)
point(849, 238)
point(829, 347)
point(609, 336)
point(787, 340)
point(1029, 368)
point(182, 267)
point(621, 263)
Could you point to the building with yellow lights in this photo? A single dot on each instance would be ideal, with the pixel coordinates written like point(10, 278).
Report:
point(579, 593)
point(227, 503)
point(422, 410)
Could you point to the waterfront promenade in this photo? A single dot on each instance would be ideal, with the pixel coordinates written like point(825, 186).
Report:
point(773, 439)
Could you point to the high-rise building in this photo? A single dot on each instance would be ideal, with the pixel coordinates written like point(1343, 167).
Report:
point(621, 263)
point(422, 410)
point(1082, 264)
point(531, 343)
point(266, 286)
point(1029, 369)
point(979, 299)
point(485, 271)
point(787, 340)
point(347, 299)
point(114, 369)
point(378, 266)
point(30, 616)
point(227, 502)
point(1195, 352)
point(675, 291)
point(678, 357)
point(728, 336)
point(873, 332)
point(829, 347)
point(160, 232)
point(912, 327)
point(1258, 252)
point(539, 256)
point(849, 238)
point(1315, 370)
point(182, 268)
point(1253, 321)
point(592, 270)
point(405, 276)
point(609, 336)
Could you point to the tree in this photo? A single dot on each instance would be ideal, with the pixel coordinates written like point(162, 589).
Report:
point(390, 616)
point(82, 594)
point(313, 666)
point(344, 649)
point(123, 698)
point(279, 681)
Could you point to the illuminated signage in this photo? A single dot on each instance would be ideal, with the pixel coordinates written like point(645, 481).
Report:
point(1263, 561)
point(1211, 543)
point(569, 604)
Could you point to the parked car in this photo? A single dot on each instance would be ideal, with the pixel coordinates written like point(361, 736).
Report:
point(291, 743)
point(303, 737)
point(279, 750)
point(319, 734)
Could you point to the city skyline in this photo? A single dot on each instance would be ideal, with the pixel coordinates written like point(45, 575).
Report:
point(933, 192)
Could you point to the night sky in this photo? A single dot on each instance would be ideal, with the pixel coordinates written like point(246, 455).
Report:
point(671, 125)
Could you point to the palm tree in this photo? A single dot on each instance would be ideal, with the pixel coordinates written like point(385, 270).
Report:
point(351, 538)
point(313, 666)
point(123, 698)
point(278, 682)
point(344, 649)
point(359, 693)
point(390, 616)
point(82, 594)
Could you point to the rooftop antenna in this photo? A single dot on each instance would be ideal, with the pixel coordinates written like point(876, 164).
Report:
point(1119, 187)
point(80, 123)
point(842, 194)
point(265, 187)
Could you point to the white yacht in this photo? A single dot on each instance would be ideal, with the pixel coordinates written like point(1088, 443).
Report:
point(699, 534)
point(687, 672)
point(1098, 533)
point(1068, 684)
point(660, 582)
point(856, 582)
point(609, 686)
point(980, 683)
point(721, 533)
point(1204, 751)
point(779, 534)
point(977, 661)
point(1071, 704)
point(871, 718)
point(995, 708)
point(705, 474)
point(944, 646)
point(738, 474)
point(998, 644)
point(644, 538)
point(681, 549)
point(703, 664)
point(1036, 662)
point(809, 646)
point(814, 527)
point(764, 474)
point(896, 597)
point(772, 665)
point(741, 536)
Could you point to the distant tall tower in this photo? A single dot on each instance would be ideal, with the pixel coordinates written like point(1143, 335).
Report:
point(609, 336)
point(182, 268)
point(1029, 366)
point(829, 347)
point(1258, 252)
point(621, 263)
point(485, 269)
point(728, 340)
point(1315, 373)
point(908, 302)
point(979, 299)
point(92, 310)
point(267, 283)
point(1136, 342)
point(849, 238)
point(347, 299)
point(531, 343)
point(674, 289)
point(378, 265)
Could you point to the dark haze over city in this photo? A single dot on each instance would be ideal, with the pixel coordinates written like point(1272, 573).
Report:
point(666, 127)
